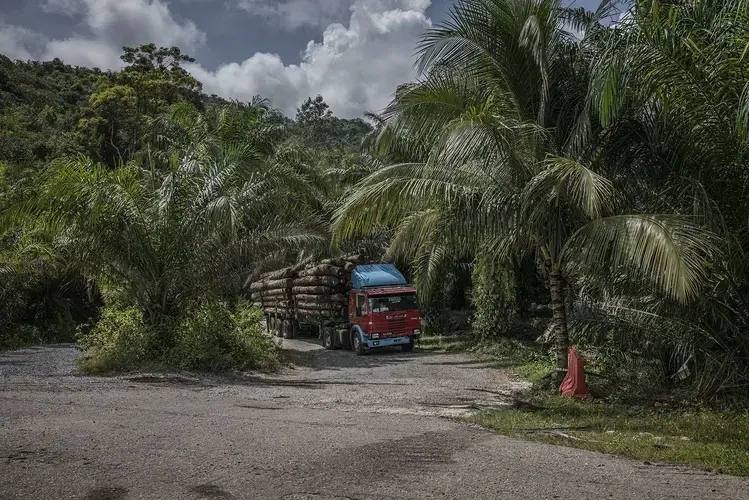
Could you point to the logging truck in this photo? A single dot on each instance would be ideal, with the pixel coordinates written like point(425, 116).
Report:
point(343, 303)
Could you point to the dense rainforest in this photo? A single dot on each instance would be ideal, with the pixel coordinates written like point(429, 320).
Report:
point(554, 175)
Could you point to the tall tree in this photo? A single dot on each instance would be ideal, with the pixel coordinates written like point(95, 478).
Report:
point(496, 127)
point(185, 224)
point(313, 110)
point(123, 106)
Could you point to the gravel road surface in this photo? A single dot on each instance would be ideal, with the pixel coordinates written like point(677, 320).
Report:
point(336, 426)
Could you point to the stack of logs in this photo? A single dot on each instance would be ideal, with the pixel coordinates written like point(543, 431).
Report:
point(272, 292)
point(318, 290)
point(321, 289)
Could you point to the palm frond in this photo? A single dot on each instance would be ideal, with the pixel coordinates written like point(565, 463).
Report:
point(669, 251)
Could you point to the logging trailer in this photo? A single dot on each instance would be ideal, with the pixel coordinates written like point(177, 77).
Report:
point(376, 307)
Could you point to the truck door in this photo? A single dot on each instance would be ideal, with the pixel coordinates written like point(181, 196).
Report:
point(357, 307)
point(361, 305)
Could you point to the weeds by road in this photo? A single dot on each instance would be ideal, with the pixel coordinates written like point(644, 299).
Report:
point(711, 440)
point(525, 359)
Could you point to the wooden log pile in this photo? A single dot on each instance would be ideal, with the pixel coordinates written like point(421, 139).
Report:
point(317, 290)
point(321, 288)
point(272, 292)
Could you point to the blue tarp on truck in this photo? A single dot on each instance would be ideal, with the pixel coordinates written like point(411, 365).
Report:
point(376, 275)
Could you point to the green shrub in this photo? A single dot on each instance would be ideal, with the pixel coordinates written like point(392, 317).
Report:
point(212, 338)
point(118, 342)
point(17, 336)
point(259, 350)
point(203, 337)
point(209, 337)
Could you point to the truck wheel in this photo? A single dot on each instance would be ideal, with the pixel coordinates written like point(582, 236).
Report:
point(356, 344)
point(327, 339)
point(295, 328)
point(278, 325)
point(288, 332)
point(408, 347)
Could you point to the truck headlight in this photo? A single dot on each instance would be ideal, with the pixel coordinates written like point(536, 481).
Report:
point(374, 335)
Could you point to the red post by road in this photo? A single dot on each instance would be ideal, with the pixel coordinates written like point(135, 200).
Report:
point(573, 384)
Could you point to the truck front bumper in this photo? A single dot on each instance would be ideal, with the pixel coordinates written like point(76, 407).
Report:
point(387, 342)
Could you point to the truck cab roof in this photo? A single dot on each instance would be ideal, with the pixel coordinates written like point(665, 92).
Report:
point(376, 275)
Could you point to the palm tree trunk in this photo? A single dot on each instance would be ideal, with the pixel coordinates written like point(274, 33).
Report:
point(561, 334)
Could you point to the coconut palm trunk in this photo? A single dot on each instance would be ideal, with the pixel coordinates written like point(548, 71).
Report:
point(561, 333)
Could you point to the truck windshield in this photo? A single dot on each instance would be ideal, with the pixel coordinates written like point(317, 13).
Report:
point(389, 303)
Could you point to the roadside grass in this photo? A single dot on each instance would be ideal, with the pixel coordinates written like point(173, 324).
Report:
point(707, 439)
point(526, 359)
point(445, 343)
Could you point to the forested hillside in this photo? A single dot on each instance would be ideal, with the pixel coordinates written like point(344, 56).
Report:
point(74, 139)
point(576, 190)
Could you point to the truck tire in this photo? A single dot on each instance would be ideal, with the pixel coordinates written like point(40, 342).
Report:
point(288, 332)
point(327, 339)
point(408, 347)
point(356, 344)
point(278, 325)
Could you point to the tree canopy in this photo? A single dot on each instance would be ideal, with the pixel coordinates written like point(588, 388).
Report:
point(580, 189)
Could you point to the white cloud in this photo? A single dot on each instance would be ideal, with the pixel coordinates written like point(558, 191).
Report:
point(19, 43)
point(122, 22)
point(293, 14)
point(356, 67)
point(68, 7)
point(84, 52)
point(112, 24)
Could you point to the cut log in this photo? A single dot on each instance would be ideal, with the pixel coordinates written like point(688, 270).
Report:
point(278, 311)
point(276, 303)
point(323, 270)
point(286, 272)
point(314, 306)
point(336, 297)
point(316, 281)
point(283, 292)
point(273, 292)
point(354, 258)
point(334, 262)
point(282, 283)
point(349, 266)
point(259, 286)
point(311, 290)
point(321, 313)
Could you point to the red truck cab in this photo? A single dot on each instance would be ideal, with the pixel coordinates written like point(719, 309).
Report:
point(383, 309)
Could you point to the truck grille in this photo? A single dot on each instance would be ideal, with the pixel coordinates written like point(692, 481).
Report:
point(396, 327)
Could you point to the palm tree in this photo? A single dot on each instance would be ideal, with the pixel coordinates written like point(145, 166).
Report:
point(507, 161)
point(187, 221)
point(670, 87)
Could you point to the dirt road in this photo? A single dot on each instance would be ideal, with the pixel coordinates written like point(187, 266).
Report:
point(335, 427)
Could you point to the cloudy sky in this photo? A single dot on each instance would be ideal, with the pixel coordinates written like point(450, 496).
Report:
point(353, 52)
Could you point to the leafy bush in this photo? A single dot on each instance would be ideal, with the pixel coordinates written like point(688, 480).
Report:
point(212, 338)
point(119, 341)
point(209, 337)
point(17, 336)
